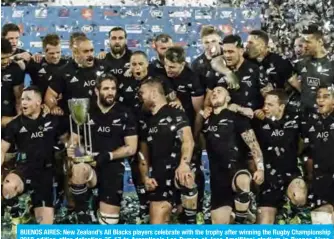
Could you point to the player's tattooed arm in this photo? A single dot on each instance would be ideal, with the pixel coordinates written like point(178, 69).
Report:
point(198, 103)
point(188, 144)
point(248, 112)
point(251, 141)
point(219, 65)
point(17, 90)
point(183, 171)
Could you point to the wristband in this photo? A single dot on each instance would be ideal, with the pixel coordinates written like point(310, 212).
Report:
point(260, 166)
point(111, 156)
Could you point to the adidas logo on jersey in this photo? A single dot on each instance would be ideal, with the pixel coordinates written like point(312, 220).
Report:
point(312, 129)
point(42, 71)
point(266, 126)
point(91, 122)
point(23, 130)
point(74, 79)
point(304, 69)
point(129, 89)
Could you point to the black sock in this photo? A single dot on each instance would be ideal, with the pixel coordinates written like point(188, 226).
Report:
point(81, 197)
point(190, 216)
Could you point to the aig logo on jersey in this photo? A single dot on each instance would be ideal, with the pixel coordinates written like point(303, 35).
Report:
point(277, 133)
point(38, 134)
point(104, 129)
point(153, 130)
point(212, 128)
point(117, 71)
point(323, 135)
point(313, 82)
point(89, 83)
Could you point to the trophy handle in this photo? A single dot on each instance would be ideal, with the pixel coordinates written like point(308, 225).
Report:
point(90, 135)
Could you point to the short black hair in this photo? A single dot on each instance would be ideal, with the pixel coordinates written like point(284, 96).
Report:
point(104, 77)
point(154, 82)
point(35, 89)
point(260, 34)
point(282, 96)
point(51, 39)
point(114, 29)
point(163, 38)
point(6, 47)
point(9, 27)
point(175, 54)
point(139, 53)
point(233, 39)
point(327, 86)
point(315, 30)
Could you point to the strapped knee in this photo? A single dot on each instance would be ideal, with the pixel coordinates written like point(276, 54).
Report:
point(187, 192)
point(242, 202)
point(242, 198)
point(190, 215)
point(235, 186)
point(106, 219)
point(78, 189)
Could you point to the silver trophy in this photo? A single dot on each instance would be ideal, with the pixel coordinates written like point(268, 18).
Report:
point(79, 114)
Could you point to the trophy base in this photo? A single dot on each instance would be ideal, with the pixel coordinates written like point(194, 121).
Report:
point(84, 159)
